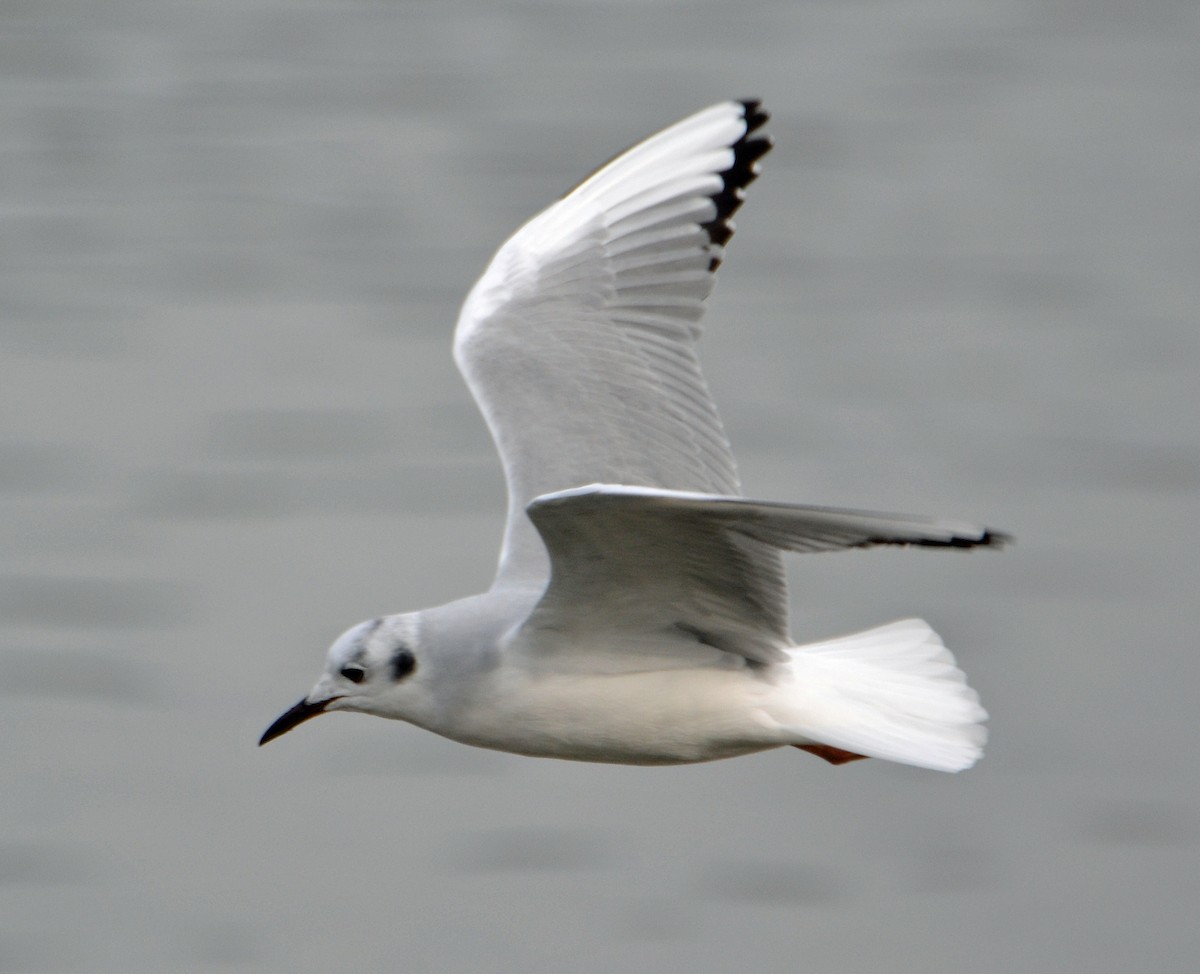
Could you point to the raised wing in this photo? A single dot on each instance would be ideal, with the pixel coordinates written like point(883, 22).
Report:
point(578, 342)
point(633, 560)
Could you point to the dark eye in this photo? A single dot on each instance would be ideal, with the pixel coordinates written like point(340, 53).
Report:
point(403, 663)
point(354, 674)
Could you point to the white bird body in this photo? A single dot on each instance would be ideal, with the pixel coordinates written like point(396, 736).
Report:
point(639, 611)
point(648, 717)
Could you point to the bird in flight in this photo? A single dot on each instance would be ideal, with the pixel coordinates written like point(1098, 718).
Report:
point(639, 611)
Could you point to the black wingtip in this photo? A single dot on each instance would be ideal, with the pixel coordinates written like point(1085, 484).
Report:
point(986, 539)
point(747, 150)
point(756, 116)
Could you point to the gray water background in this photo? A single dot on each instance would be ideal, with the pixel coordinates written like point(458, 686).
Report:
point(235, 236)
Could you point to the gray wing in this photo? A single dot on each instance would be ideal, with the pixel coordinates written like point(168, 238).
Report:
point(633, 560)
point(578, 342)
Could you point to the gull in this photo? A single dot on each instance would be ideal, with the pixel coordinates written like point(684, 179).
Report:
point(639, 613)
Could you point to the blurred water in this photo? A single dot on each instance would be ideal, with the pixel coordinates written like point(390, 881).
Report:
point(235, 238)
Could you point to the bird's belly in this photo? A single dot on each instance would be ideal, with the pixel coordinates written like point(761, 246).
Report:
point(674, 717)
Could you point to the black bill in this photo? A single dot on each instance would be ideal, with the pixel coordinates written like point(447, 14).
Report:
point(297, 715)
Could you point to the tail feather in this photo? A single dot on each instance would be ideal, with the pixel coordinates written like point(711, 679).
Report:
point(892, 692)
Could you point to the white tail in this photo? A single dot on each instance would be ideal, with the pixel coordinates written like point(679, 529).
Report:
point(892, 692)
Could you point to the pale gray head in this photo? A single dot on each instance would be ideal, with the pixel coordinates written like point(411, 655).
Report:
point(373, 668)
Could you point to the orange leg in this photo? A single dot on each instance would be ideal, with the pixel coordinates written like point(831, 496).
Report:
point(827, 752)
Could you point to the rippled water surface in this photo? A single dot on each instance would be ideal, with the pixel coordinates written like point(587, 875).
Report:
point(234, 240)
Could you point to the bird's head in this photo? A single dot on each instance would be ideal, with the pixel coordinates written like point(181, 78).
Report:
point(372, 668)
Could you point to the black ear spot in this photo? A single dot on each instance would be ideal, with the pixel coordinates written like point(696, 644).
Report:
point(355, 674)
point(403, 663)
